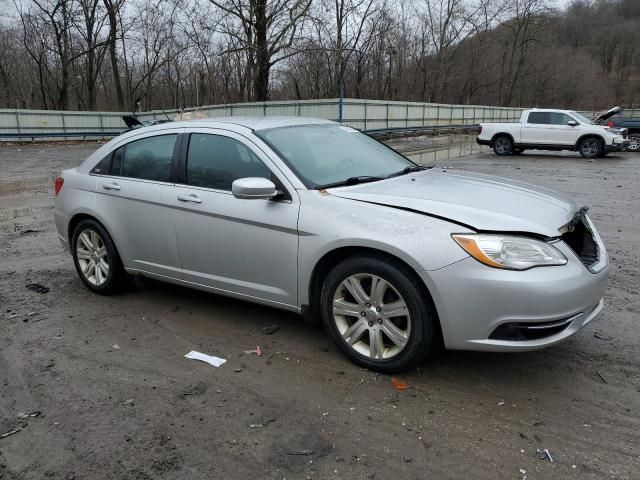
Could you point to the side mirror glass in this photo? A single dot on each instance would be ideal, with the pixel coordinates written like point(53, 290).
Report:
point(253, 188)
point(572, 123)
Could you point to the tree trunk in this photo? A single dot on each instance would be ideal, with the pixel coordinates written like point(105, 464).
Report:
point(261, 79)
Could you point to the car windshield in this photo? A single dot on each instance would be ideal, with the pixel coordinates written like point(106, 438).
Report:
point(582, 118)
point(325, 154)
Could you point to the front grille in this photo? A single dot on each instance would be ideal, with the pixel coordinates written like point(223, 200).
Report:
point(580, 240)
point(520, 331)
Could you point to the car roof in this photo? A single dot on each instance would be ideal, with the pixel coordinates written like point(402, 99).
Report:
point(252, 123)
point(551, 110)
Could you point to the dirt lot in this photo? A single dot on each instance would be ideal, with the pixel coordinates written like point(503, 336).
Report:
point(118, 400)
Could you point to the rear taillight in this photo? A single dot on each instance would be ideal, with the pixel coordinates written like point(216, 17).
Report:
point(610, 124)
point(57, 186)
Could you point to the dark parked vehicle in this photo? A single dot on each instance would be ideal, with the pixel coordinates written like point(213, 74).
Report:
point(633, 127)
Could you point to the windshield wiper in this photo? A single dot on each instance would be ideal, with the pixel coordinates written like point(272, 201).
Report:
point(350, 181)
point(411, 169)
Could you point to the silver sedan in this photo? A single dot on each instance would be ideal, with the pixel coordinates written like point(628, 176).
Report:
point(317, 218)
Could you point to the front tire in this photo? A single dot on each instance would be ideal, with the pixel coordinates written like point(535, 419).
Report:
point(377, 314)
point(591, 148)
point(96, 258)
point(503, 145)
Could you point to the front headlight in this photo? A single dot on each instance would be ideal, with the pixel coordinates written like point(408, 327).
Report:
point(510, 252)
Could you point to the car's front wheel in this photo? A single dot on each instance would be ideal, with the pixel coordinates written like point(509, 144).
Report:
point(590, 148)
point(96, 258)
point(503, 145)
point(377, 313)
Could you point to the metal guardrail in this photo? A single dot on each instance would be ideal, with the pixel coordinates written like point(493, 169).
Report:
point(372, 116)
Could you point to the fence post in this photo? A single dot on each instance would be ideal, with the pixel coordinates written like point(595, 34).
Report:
point(424, 113)
point(101, 124)
point(387, 114)
point(64, 125)
point(406, 122)
point(365, 116)
point(18, 121)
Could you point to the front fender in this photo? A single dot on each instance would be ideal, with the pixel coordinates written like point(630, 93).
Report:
point(328, 223)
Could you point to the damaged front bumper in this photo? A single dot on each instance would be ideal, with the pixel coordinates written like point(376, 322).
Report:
point(515, 310)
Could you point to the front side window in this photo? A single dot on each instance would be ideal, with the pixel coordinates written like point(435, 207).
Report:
point(327, 153)
point(148, 159)
point(540, 118)
point(560, 118)
point(215, 161)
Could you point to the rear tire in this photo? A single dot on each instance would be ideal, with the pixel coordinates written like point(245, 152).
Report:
point(96, 259)
point(387, 324)
point(591, 148)
point(503, 145)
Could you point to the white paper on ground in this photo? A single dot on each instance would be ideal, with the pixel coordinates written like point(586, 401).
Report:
point(215, 361)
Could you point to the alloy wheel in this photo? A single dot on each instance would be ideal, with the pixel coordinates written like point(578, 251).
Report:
point(371, 316)
point(92, 257)
point(590, 148)
point(502, 146)
point(634, 144)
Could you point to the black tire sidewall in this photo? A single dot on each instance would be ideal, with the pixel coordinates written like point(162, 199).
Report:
point(598, 153)
point(422, 333)
point(111, 284)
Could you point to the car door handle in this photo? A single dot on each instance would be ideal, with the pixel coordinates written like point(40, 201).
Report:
point(111, 186)
point(189, 198)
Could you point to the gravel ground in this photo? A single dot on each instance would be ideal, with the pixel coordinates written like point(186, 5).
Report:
point(112, 397)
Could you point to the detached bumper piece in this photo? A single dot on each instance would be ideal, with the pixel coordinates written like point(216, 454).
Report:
point(520, 331)
point(617, 147)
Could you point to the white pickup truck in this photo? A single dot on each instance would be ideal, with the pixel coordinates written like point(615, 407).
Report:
point(542, 129)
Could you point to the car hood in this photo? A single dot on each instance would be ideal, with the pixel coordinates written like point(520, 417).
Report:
point(608, 114)
point(482, 202)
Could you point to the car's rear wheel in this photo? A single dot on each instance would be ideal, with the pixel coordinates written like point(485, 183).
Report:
point(503, 145)
point(590, 148)
point(377, 313)
point(634, 142)
point(96, 258)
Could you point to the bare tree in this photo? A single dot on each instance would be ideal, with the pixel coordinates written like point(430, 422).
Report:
point(264, 30)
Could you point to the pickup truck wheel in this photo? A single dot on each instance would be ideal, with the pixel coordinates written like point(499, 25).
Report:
point(634, 142)
point(590, 148)
point(503, 146)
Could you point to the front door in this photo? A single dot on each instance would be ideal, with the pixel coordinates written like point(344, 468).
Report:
point(559, 131)
point(246, 247)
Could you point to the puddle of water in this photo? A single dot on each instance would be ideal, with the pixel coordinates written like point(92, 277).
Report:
point(442, 152)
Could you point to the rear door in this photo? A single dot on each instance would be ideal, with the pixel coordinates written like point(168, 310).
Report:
point(534, 130)
point(559, 132)
point(134, 198)
point(247, 247)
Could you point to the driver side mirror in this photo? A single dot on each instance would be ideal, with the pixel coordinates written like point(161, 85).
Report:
point(253, 188)
point(572, 123)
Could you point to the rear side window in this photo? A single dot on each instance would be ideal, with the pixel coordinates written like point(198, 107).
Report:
point(215, 161)
point(539, 118)
point(148, 159)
